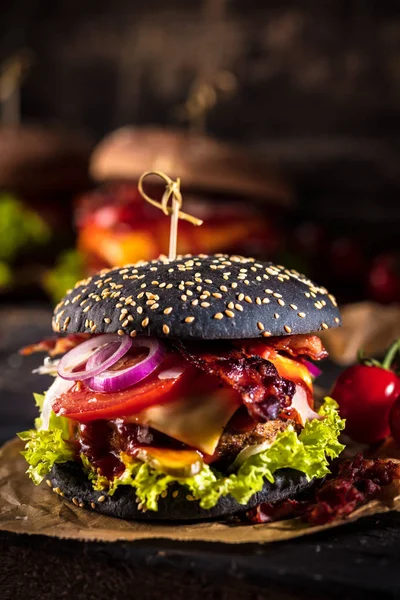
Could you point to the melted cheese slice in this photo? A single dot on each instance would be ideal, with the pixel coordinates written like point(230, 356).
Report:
point(195, 421)
point(291, 369)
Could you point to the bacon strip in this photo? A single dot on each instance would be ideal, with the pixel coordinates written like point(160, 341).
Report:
point(358, 480)
point(56, 345)
point(265, 394)
point(297, 345)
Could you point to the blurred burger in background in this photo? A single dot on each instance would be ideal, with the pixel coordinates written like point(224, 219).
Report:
point(238, 198)
point(41, 169)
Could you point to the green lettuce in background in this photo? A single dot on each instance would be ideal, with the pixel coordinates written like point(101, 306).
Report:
point(20, 228)
point(309, 452)
point(69, 269)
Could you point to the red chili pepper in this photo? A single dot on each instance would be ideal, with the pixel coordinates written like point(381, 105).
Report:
point(365, 393)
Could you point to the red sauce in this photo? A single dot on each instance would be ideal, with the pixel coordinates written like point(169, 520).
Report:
point(102, 441)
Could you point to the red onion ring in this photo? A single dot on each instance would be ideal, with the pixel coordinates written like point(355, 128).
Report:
point(114, 381)
point(313, 369)
point(84, 354)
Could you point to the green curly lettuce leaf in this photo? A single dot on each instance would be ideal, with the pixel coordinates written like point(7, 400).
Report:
point(308, 452)
point(43, 448)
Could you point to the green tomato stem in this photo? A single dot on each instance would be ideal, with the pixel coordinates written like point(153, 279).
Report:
point(391, 355)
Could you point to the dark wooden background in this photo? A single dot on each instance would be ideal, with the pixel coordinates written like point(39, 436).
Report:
point(317, 83)
point(304, 68)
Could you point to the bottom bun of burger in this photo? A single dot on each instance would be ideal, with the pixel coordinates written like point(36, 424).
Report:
point(70, 479)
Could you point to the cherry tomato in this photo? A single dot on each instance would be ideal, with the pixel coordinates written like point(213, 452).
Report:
point(83, 405)
point(384, 279)
point(365, 395)
point(394, 420)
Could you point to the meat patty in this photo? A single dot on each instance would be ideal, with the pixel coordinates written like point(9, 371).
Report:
point(232, 441)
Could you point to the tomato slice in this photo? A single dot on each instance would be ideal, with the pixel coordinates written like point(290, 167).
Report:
point(82, 404)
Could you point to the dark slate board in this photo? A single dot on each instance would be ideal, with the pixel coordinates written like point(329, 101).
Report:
point(358, 560)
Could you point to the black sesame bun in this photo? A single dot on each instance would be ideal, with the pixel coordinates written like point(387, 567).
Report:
point(197, 297)
point(70, 480)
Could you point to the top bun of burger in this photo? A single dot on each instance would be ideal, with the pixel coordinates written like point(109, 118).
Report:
point(37, 160)
point(200, 161)
point(197, 297)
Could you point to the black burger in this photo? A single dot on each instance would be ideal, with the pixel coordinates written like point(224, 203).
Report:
point(184, 390)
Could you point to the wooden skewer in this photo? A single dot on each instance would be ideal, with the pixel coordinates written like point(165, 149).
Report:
point(172, 190)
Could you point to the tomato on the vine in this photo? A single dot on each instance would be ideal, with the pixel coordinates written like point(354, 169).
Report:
point(366, 393)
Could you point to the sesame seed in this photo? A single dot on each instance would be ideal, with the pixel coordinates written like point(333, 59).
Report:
point(260, 325)
point(124, 324)
point(101, 499)
point(223, 288)
point(49, 483)
point(165, 329)
point(234, 284)
point(209, 281)
point(164, 494)
point(175, 494)
point(280, 302)
point(258, 301)
point(231, 305)
point(140, 310)
point(133, 333)
point(92, 504)
point(276, 295)
point(140, 295)
point(189, 319)
point(241, 297)
point(248, 299)
point(145, 322)
point(302, 315)
point(332, 299)
point(265, 301)
point(169, 286)
point(217, 295)
point(229, 313)
point(81, 505)
point(324, 326)
point(239, 307)
point(266, 333)
point(195, 302)
point(168, 310)
point(75, 501)
point(107, 320)
point(337, 320)
point(120, 332)
point(184, 297)
point(293, 306)
point(205, 304)
point(218, 316)
point(287, 328)
point(276, 316)
point(154, 306)
point(190, 498)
